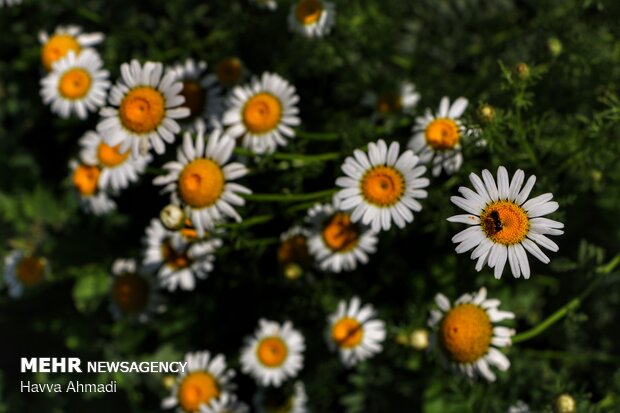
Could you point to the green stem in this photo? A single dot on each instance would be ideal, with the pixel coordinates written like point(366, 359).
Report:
point(328, 156)
point(290, 197)
point(568, 307)
point(572, 357)
point(255, 220)
point(317, 136)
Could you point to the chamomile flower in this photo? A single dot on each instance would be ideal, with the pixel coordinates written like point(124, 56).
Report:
point(63, 40)
point(519, 407)
point(117, 170)
point(381, 186)
point(201, 92)
point(503, 223)
point(145, 108)
point(206, 379)
point(201, 178)
point(263, 113)
point(85, 181)
point(404, 100)
point(23, 271)
point(133, 295)
point(274, 353)
point(467, 335)
point(230, 71)
point(177, 261)
point(336, 243)
point(437, 137)
point(77, 84)
point(226, 403)
point(265, 4)
point(355, 332)
point(293, 254)
point(312, 18)
point(9, 2)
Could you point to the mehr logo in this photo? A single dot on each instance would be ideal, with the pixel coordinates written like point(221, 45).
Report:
point(51, 365)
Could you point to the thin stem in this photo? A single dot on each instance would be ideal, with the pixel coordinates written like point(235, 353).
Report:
point(290, 197)
point(255, 220)
point(572, 357)
point(317, 136)
point(328, 156)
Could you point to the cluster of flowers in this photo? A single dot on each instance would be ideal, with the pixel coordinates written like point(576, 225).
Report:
point(147, 109)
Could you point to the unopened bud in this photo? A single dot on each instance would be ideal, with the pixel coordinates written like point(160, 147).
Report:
point(169, 381)
point(486, 113)
point(522, 70)
point(419, 339)
point(564, 403)
point(172, 217)
point(293, 271)
point(555, 46)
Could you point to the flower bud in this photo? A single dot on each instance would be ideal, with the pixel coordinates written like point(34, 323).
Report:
point(172, 217)
point(419, 339)
point(293, 271)
point(564, 403)
point(555, 46)
point(522, 70)
point(486, 113)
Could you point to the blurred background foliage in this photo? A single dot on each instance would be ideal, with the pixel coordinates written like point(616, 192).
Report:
point(560, 121)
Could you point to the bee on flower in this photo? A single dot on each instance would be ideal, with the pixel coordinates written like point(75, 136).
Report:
point(76, 84)
point(437, 138)
point(63, 40)
point(467, 335)
point(145, 105)
point(206, 380)
point(23, 271)
point(503, 223)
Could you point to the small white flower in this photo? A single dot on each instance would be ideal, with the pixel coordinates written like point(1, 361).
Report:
point(63, 40)
point(263, 113)
point(145, 106)
point(438, 137)
point(503, 223)
point(381, 186)
point(467, 335)
point(274, 353)
point(23, 271)
point(355, 332)
point(336, 243)
point(312, 18)
point(200, 180)
point(76, 84)
point(177, 261)
point(404, 100)
point(205, 380)
point(85, 181)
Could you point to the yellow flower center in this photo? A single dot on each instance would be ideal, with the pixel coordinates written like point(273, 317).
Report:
point(110, 156)
point(465, 333)
point(174, 258)
point(196, 389)
point(195, 97)
point(309, 11)
point(201, 183)
point(228, 71)
point(30, 270)
point(347, 332)
point(505, 222)
point(57, 47)
point(85, 179)
point(130, 292)
point(339, 233)
point(262, 113)
point(388, 102)
point(142, 109)
point(272, 351)
point(74, 83)
point(442, 134)
point(188, 230)
point(383, 186)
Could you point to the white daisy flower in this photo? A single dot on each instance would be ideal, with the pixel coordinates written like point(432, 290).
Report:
point(274, 353)
point(230, 71)
point(265, 4)
point(381, 186)
point(145, 106)
point(201, 92)
point(404, 100)
point(336, 243)
point(204, 380)
point(133, 295)
point(438, 137)
point(63, 40)
point(355, 332)
point(263, 113)
point(504, 224)
point(23, 271)
point(312, 18)
point(85, 181)
point(77, 84)
point(117, 169)
point(226, 403)
point(467, 335)
point(519, 407)
point(177, 261)
point(201, 180)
